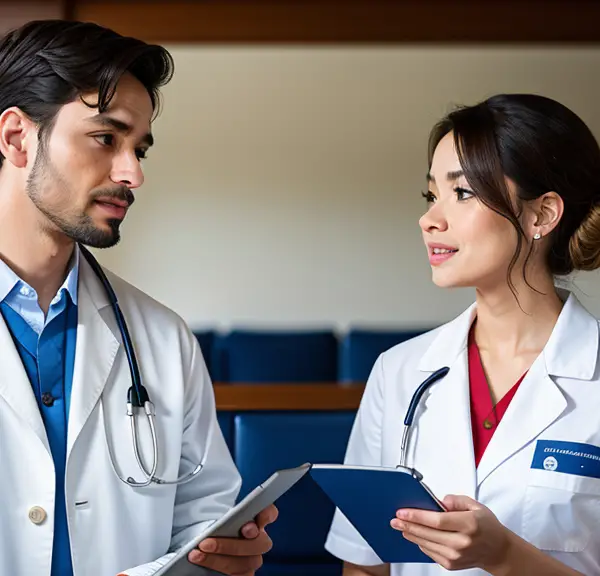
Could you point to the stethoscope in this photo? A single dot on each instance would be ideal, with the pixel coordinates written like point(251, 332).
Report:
point(137, 395)
point(412, 409)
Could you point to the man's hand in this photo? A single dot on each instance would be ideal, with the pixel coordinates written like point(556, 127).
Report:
point(237, 556)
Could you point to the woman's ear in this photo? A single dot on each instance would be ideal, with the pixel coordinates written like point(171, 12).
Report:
point(17, 133)
point(547, 211)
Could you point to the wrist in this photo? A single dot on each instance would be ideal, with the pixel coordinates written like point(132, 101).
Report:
point(505, 560)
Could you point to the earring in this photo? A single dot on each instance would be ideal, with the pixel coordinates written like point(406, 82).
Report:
point(537, 236)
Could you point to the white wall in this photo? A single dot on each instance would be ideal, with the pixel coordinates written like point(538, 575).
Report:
point(284, 188)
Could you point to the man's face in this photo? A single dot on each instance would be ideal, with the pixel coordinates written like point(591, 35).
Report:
point(84, 172)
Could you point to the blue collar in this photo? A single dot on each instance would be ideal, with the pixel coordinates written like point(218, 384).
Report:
point(9, 279)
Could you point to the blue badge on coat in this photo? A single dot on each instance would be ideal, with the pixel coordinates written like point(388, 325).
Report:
point(567, 457)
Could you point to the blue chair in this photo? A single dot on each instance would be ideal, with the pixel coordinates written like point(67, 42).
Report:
point(269, 356)
point(225, 420)
point(359, 350)
point(206, 340)
point(266, 442)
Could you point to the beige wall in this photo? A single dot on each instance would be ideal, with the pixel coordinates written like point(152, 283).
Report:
point(15, 13)
point(284, 188)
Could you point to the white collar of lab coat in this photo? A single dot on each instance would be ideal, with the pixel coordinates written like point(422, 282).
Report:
point(93, 285)
point(571, 351)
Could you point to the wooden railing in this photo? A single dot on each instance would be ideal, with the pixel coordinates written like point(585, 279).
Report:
point(320, 396)
point(345, 21)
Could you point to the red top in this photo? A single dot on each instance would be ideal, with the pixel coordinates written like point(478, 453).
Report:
point(484, 419)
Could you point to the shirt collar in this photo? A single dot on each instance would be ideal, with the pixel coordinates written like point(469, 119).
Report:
point(9, 279)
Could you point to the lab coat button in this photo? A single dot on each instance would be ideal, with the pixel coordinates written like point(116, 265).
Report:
point(37, 514)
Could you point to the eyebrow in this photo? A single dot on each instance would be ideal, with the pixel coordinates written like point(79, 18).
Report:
point(450, 176)
point(120, 126)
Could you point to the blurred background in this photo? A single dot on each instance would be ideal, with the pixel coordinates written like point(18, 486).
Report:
point(284, 187)
point(280, 212)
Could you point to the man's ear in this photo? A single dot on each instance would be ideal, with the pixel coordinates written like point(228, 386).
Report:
point(17, 134)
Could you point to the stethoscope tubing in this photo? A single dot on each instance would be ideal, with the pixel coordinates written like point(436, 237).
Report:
point(412, 409)
point(137, 396)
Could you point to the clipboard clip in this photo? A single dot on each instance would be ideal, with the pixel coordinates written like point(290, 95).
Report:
point(416, 474)
point(412, 471)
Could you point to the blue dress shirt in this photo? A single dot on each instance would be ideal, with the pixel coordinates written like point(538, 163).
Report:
point(47, 347)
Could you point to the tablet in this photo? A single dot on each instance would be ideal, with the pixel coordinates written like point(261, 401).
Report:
point(230, 524)
point(370, 496)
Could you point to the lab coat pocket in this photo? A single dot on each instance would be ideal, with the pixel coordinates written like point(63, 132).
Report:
point(561, 512)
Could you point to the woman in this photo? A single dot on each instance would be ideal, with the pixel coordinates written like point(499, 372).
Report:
point(510, 437)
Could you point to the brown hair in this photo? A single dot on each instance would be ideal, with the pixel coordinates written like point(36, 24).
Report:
point(541, 146)
point(583, 246)
point(48, 63)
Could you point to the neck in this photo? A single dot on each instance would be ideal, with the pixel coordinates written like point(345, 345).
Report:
point(509, 327)
point(33, 248)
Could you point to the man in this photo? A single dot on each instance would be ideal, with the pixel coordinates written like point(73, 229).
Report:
point(76, 106)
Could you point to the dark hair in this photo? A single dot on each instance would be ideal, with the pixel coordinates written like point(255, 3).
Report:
point(46, 64)
point(541, 146)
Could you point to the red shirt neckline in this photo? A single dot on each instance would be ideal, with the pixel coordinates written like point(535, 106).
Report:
point(483, 414)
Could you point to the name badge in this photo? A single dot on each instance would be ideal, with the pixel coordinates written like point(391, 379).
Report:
point(567, 457)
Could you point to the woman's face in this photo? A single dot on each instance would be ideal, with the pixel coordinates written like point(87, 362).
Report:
point(468, 244)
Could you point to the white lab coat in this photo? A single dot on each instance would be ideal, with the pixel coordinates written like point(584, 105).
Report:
point(559, 399)
point(112, 526)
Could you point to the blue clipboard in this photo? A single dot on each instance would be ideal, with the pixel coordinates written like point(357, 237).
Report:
point(369, 498)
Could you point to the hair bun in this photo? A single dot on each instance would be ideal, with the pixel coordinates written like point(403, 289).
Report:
point(584, 245)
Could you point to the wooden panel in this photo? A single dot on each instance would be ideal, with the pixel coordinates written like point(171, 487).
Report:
point(348, 21)
point(243, 397)
point(15, 13)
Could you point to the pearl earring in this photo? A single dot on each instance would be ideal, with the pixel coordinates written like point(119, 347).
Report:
point(537, 236)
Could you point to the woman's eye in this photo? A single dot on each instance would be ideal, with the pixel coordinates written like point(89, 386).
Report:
point(141, 154)
point(429, 196)
point(463, 193)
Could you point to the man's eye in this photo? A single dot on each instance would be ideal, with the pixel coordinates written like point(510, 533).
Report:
point(105, 139)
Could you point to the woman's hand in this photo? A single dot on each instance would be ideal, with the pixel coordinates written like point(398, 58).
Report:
point(467, 536)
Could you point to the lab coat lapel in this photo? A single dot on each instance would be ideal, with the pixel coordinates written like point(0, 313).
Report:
point(95, 353)
point(451, 447)
point(537, 404)
point(443, 424)
point(571, 352)
point(15, 387)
